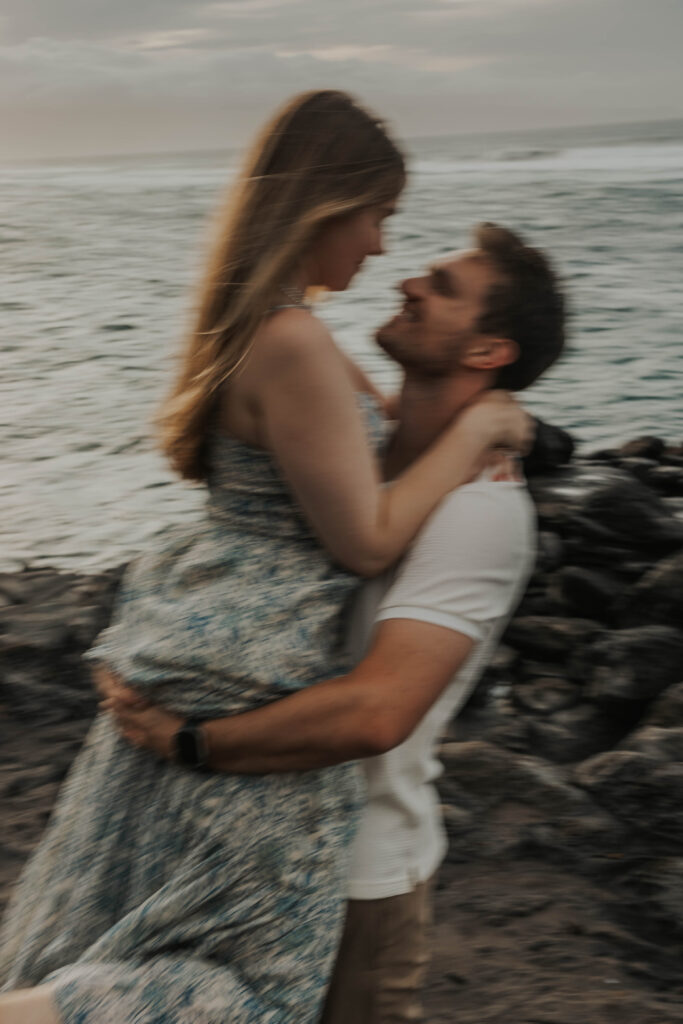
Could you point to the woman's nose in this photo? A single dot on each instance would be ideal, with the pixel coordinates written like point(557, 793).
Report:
point(376, 246)
point(411, 287)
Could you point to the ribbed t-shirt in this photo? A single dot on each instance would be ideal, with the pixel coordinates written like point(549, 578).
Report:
point(465, 571)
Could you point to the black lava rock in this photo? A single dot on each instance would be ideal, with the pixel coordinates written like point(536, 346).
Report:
point(552, 447)
point(658, 596)
point(548, 637)
point(643, 448)
point(590, 593)
point(631, 664)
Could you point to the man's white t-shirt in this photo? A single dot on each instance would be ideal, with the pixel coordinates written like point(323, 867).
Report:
point(466, 571)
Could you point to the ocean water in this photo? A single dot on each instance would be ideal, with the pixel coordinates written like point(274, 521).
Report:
point(98, 260)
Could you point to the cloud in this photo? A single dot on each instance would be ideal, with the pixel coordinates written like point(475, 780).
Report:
point(172, 39)
point(398, 56)
point(177, 73)
point(247, 8)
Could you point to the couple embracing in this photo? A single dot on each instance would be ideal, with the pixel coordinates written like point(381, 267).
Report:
point(251, 823)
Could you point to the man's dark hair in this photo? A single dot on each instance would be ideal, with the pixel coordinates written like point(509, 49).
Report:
point(525, 305)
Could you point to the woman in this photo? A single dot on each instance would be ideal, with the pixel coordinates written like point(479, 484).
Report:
point(159, 894)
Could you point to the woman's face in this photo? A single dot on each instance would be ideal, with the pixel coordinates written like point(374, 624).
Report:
point(343, 244)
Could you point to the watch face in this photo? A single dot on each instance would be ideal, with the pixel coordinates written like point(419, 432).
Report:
point(188, 746)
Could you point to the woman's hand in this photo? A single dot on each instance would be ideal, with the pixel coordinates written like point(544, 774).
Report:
point(143, 724)
point(499, 420)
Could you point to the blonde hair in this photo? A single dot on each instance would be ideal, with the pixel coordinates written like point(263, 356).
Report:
point(323, 156)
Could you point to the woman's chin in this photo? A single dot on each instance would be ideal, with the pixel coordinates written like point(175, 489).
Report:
point(340, 282)
point(346, 283)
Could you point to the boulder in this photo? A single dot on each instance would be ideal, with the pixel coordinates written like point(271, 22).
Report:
point(550, 551)
point(643, 447)
point(658, 595)
point(630, 664)
point(37, 586)
point(591, 593)
point(603, 456)
point(667, 710)
point(581, 840)
point(38, 628)
point(573, 734)
point(501, 804)
point(558, 495)
point(529, 670)
point(657, 742)
point(552, 447)
point(541, 600)
point(545, 695)
point(638, 789)
point(603, 556)
point(481, 775)
point(550, 637)
point(633, 515)
point(667, 480)
point(642, 469)
point(38, 695)
point(508, 731)
point(504, 661)
point(658, 882)
point(606, 506)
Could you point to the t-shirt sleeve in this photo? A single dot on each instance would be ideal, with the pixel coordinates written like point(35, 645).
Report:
point(469, 562)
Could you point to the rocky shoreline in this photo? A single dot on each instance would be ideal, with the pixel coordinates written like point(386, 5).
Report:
point(562, 898)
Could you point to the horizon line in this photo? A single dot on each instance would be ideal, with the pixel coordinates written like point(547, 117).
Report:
point(205, 151)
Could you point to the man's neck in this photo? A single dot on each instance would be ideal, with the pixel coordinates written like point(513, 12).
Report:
point(427, 405)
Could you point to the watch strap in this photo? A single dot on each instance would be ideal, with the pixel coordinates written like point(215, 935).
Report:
point(190, 746)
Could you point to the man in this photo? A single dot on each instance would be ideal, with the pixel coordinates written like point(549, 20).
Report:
point(492, 315)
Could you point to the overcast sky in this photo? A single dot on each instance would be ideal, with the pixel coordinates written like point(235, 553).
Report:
point(108, 76)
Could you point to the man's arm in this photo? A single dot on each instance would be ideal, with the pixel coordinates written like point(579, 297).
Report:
point(367, 712)
point(464, 571)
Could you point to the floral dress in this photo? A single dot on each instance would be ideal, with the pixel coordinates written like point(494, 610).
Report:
point(160, 895)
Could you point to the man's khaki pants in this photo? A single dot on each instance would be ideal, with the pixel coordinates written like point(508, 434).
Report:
point(381, 961)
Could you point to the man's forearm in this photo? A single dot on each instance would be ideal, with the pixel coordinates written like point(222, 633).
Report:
point(367, 712)
point(325, 724)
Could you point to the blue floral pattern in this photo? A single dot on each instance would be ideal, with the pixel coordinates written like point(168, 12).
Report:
point(164, 896)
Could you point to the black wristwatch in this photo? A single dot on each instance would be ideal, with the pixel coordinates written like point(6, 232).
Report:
point(190, 747)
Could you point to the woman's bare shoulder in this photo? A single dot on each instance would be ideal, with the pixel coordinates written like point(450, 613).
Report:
point(294, 336)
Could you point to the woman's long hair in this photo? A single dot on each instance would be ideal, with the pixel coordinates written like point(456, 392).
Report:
point(323, 156)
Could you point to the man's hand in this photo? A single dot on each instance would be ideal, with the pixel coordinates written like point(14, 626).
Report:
point(504, 465)
point(143, 724)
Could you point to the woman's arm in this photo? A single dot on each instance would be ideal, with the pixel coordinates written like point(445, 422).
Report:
point(361, 382)
point(311, 422)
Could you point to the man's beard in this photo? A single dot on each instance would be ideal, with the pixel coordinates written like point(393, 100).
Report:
point(408, 353)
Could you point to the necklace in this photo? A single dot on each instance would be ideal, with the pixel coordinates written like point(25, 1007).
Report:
point(295, 295)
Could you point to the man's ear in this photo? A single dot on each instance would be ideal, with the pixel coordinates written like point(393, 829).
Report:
point(488, 353)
